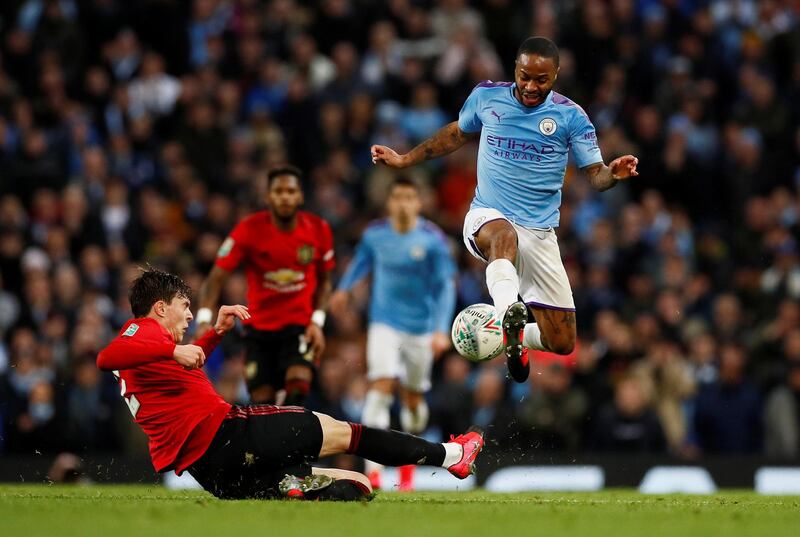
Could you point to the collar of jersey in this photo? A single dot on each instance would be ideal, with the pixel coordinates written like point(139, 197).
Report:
point(547, 100)
point(417, 226)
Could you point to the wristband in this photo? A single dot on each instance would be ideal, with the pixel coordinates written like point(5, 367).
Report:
point(318, 318)
point(203, 316)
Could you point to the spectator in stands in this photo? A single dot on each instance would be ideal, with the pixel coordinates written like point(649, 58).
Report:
point(665, 370)
point(552, 418)
point(451, 397)
point(728, 412)
point(703, 359)
point(629, 424)
point(489, 409)
point(782, 418)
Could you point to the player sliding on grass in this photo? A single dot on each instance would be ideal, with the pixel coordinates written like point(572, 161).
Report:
point(525, 131)
point(259, 451)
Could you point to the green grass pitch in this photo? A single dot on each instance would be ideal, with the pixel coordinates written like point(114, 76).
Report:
point(61, 511)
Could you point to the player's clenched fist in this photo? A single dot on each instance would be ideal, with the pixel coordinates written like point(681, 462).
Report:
point(189, 356)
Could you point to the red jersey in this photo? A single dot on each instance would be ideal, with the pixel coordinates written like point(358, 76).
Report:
point(178, 409)
point(282, 267)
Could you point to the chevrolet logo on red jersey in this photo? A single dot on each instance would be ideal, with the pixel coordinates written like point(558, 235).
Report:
point(284, 280)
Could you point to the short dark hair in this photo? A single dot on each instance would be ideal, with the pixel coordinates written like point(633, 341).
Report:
point(403, 181)
point(287, 169)
point(541, 46)
point(154, 285)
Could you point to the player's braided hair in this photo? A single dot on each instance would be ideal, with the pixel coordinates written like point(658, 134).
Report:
point(540, 46)
point(154, 285)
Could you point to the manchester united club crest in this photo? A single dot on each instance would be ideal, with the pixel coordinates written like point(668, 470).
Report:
point(305, 254)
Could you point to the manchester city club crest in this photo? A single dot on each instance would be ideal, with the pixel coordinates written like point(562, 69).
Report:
point(547, 126)
point(305, 254)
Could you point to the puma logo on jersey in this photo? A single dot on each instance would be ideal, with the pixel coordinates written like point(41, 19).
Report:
point(498, 116)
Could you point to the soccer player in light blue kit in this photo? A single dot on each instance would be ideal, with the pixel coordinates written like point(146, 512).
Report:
point(526, 131)
point(411, 308)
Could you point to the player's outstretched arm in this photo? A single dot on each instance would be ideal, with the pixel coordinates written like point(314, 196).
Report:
point(444, 141)
point(360, 266)
point(208, 296)
point(603, 177)
point(144, 344)
point(130, 352)
point(226, 320)
point(142, 348)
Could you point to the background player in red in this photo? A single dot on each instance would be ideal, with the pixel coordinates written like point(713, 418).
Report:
point(287, 256)
point(258, 451)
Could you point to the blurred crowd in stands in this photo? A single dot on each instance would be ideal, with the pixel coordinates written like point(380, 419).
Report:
point(140, 131)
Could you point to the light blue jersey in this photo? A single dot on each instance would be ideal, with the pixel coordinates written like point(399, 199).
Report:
point(523, 151)
point(413, 288)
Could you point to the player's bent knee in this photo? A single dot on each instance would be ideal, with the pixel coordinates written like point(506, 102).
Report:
point(335, 435)
point(498, 239)
point(503, 243)
point(562, 346)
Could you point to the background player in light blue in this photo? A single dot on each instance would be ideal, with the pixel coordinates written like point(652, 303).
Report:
point(526, 131)
point(411, 307)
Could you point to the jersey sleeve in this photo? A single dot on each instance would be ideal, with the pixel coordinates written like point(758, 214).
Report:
point(359, 266)
point(208, 341)
point(327, 260)
point(141, 343)
point(583, 139)
point(444, 272)
point(232, 251)
point(468, 120)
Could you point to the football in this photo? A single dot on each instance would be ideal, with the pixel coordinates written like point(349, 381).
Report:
point(477, 333)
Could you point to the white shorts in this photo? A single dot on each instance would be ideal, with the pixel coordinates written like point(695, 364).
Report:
point(543, 281)
point(394, 354)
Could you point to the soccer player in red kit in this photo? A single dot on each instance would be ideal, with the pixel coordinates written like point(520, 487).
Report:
point(259, 451)
point(288, 257)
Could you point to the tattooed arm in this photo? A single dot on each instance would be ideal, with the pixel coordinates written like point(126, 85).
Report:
point(603, 177)
point(445, 141)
